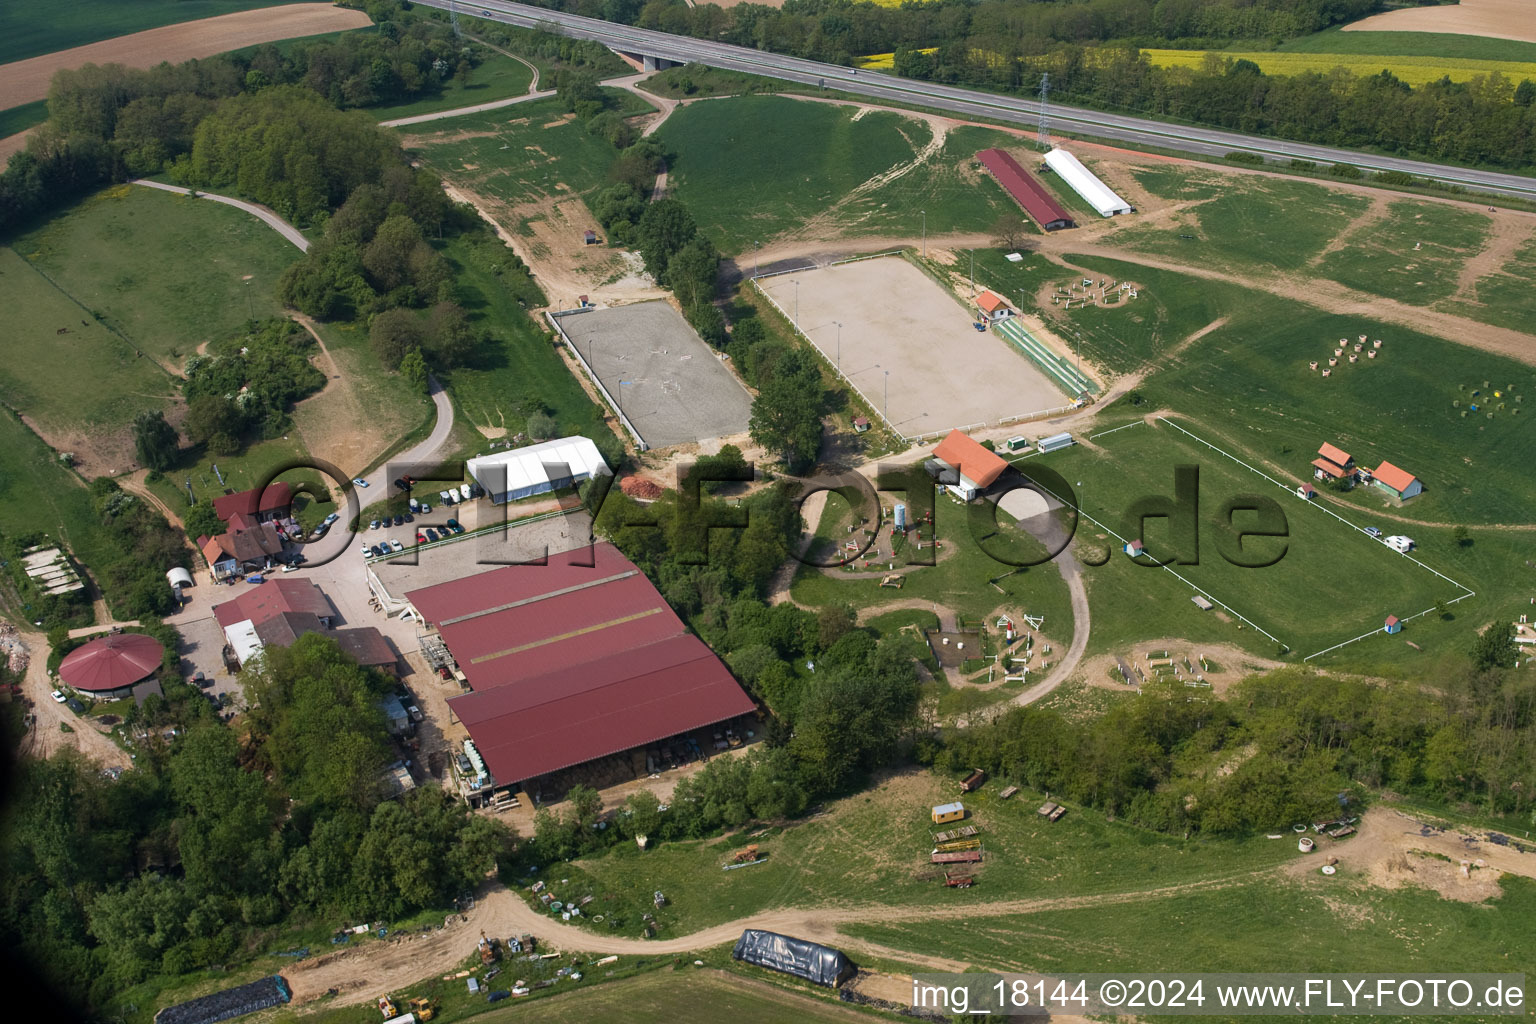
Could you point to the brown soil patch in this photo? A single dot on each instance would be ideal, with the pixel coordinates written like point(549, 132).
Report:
point(97, 451)
point(1234, 663)
point(1508, 234)
point(346, 423)
point(25, 81)
point(556, 123)
point(1393, 850)
point(46, 738)
point(1501, 19)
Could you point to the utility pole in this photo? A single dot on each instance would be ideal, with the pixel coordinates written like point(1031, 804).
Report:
point(925, 232)
point(796, 283)
point(973, 273)
point(1045, 119)
point(887, 397)
point(839, 345)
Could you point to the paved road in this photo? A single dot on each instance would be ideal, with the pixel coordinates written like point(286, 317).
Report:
point(277, 223)
point(1135, 130)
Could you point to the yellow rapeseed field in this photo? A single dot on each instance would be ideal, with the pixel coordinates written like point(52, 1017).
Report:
point(1413, 70)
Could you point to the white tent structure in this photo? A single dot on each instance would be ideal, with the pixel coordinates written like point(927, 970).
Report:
point(1085, 183)
point(551, 465)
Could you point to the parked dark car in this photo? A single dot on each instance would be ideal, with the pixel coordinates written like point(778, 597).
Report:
point(431, 534)
point(498, 996)
point(399, 520)
point(408, 517)
point(453, 524)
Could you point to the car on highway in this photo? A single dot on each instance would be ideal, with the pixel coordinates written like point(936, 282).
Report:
point(58, 697)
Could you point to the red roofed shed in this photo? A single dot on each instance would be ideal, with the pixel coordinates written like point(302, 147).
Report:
point(979, 468)
point(273, 598)
point(1028, 192)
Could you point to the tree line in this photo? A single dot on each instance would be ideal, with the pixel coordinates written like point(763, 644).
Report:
point(1091, 52)
point(214, 843)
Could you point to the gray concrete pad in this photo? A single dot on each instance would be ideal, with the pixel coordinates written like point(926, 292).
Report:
point(903, 332)
point(676, 389)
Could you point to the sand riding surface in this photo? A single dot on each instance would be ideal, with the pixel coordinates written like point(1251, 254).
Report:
point(1501, 19)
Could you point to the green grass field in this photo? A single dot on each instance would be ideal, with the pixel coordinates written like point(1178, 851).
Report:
point(518, 366)
point(1382, 259)
point(1505, 297)
point(64, 370)
point(30, 28)
point(958, 580)
point(498, 77)
point(1332, 584)
point(37, 493)
point(1249, 380)
point(521, 154)
point(1411, 44)
point(1243, 222)
point(19, 119)
point(872, 848)
point(663, 998)
point(167, 272)
point(795, 158)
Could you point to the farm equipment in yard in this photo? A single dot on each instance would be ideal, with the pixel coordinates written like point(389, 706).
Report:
point(1051, 811)
point(973, 781)
point(962, 832)
point(959, 881)
point(386, 1007)
point(958, 844)
point(421, 1006)
point(488, 950)
point(957, 857)
point(747, 855)
point(659, 899)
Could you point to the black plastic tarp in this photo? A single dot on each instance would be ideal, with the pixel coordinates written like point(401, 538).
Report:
point(809, 960)
point(233, 1002)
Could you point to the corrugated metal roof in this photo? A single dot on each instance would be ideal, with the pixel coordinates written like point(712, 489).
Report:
point(1029, 193)
point(1397, 479)
point(571, 662)
point(272, 598)
point(603, 707)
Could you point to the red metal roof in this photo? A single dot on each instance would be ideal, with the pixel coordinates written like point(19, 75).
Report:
point(625, 699)
point(990, 301)
point(274, 497)
point(112, 662)
point(272, 598)
point(970, 458)
point(1029, 193)
point(1395, 478)
point(570, 662)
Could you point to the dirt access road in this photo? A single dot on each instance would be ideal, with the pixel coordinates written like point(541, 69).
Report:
point(1391, 850)
point(46, 736)
point(26, 81)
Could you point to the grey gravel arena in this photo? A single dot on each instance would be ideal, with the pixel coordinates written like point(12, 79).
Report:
point(676, 390)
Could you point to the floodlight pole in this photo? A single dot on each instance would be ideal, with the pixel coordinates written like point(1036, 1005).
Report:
point(839, 345)
point(796, 283)
point(887, 397)
point(925, 232)
point(973, 273)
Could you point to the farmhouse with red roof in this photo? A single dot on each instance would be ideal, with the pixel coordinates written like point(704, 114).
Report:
point(971, 468)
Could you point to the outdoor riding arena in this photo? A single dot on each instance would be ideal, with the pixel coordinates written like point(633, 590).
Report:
point(669, 387)
point(909, 347)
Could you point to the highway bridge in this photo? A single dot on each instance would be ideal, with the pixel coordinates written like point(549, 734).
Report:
point(658, 49)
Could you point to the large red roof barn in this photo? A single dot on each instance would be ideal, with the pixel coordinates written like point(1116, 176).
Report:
point(111, 663)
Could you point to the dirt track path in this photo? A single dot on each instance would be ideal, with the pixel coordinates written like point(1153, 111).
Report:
point(46, 738)
point(1505, 239)
point(25, 81)
point(395, 964)
point(267, 215)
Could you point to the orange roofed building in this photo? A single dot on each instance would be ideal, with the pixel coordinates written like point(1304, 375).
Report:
point(1399, 483)
point(972, 468)
point(1334, 464)
point(992, 306)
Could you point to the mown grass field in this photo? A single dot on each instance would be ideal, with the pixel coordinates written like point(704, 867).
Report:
point(957, 580)
point(1381, 259)
point(518, 154)
point(498, 77)
point(1248, 380)
point(1242, 221)
point(1330, 584)
point(663, 998)
point(1246, 925)
point(1415, 70)
point(63, 369)
point(872, 849)
point(1505, 297)
point(167, 272)
point(30, 28)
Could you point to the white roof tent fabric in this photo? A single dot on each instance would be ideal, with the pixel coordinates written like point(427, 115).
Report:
point(522, 472)
point(1085, 183)
point(179, 577)
point(242, 637)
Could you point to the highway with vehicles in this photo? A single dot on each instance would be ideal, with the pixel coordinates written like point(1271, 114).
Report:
point(967, 102)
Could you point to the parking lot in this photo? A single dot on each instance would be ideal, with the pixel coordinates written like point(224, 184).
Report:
point(672, 387)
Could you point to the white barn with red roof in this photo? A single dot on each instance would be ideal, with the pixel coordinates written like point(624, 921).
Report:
point(1399, 483)
point(972, 466)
